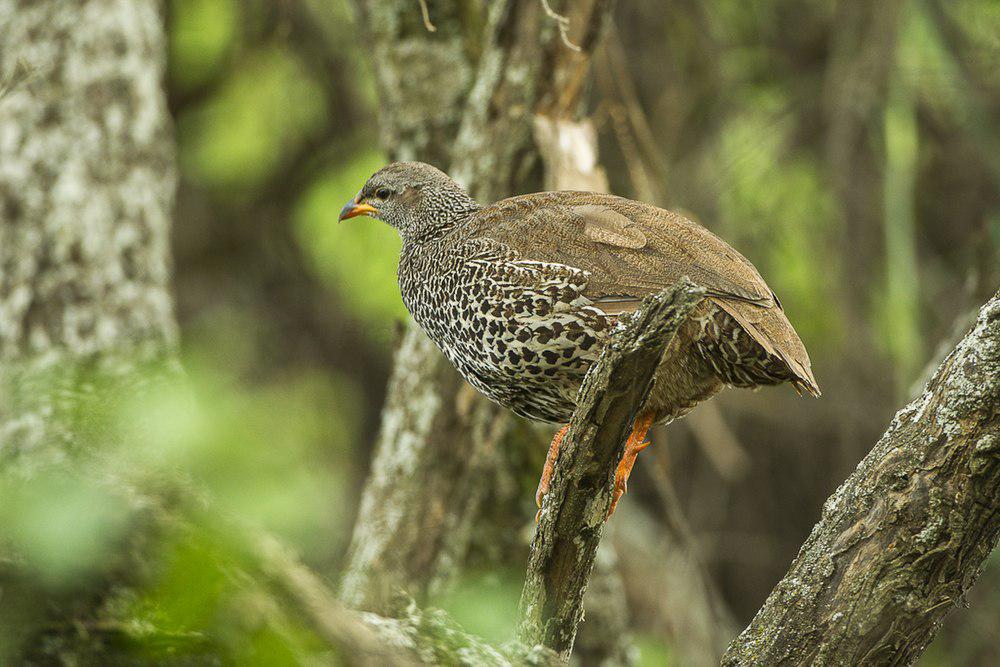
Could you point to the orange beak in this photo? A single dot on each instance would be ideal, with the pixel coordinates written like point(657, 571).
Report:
point(353, 209)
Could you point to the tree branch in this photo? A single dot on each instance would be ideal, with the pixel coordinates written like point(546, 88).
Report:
point(572, 517)
point(905, 536)
point(415, 636)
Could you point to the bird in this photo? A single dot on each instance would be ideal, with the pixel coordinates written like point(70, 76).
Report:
point(521, 295)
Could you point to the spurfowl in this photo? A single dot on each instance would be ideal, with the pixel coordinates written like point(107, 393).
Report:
point(522, 294)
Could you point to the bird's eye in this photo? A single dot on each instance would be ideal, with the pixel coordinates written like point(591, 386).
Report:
point(383, 193)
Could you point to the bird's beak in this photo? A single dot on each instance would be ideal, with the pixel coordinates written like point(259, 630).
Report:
point(353, 209)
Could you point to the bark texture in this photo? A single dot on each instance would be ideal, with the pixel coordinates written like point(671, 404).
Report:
point(421, 498)
point(573, 513)
point(86, 193)
point(482, 75)
point(86, 178)
point(905, 536)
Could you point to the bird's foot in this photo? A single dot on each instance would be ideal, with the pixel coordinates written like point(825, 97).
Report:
point(636, 443)
point(622, 473)
point(550, 466)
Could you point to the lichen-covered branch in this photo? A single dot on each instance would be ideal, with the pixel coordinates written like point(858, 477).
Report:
point(572, 517)
point(905, 536)
point(412, 636)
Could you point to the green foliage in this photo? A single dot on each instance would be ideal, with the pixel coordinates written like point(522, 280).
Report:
point(266, 107)
point(206, 597)
point(777, 204)
point(202, 35)
point(356, 258)
point(255, 450)
point(63, 526)
point(653, 652)
point(486, 603)
point(979, 22)
point(217, 454)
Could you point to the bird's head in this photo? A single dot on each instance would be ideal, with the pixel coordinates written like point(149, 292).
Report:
point(415, 198)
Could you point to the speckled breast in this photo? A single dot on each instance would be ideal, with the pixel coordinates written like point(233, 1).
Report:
point(519, 332)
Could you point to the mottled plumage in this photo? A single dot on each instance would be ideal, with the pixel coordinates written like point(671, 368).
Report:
point(522, 294)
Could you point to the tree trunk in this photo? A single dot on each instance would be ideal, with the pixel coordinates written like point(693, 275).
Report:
point(86, 193)
point(86, 186)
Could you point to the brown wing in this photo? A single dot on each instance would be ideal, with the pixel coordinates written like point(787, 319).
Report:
point(633, 249)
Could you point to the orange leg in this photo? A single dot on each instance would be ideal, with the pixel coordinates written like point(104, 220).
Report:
point(636, 443)
point(550, 466)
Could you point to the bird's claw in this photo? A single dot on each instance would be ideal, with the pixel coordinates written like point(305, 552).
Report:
point(540, 493)
point(550, 465)
point(622, 474)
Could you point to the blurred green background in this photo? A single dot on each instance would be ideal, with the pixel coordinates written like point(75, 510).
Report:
point(856, 164)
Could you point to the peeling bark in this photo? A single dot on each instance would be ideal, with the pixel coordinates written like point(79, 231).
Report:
point(905, 535)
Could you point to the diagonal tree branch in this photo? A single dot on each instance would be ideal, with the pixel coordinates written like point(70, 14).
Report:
point(905, 535)
point(572, 518)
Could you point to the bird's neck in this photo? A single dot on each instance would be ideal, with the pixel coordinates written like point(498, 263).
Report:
point(443, 217)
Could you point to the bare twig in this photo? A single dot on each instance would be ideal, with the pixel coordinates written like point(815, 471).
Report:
point(669, 591)
point(572, 517)
point(632, 126)
point(721, 446)
point(562, 22)
point(426, 15)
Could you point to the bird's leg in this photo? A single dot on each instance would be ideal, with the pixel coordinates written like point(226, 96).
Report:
point(636, 443)
point(550, 466)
